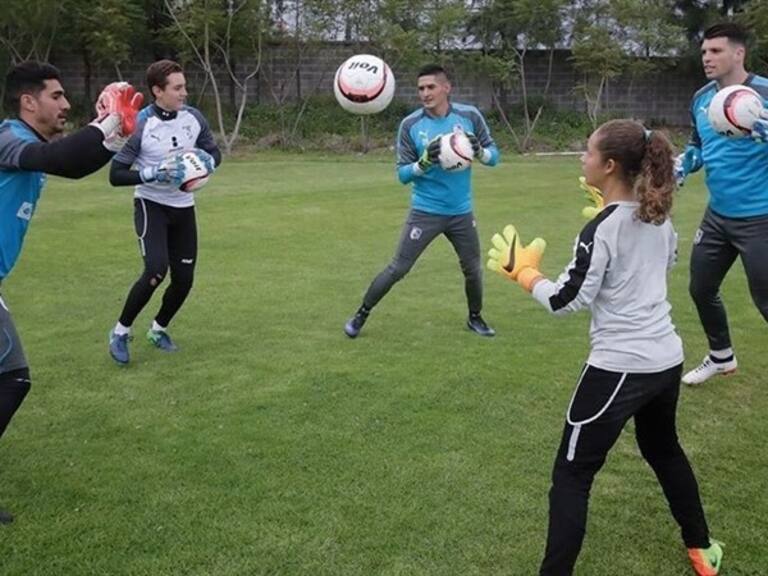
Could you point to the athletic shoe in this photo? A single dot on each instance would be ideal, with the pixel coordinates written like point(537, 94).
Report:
point(160, 339)
point(707, 561)
point(5, 517)
point(476, 323)
point(118, 347)
point(708, 368)
point(355, 324)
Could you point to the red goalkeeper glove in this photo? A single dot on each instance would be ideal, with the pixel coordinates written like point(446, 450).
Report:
point(118, 100)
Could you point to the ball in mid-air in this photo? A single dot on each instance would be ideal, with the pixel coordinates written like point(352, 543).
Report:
point(364, 84)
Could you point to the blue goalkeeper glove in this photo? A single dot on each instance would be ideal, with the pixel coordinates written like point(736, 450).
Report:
point(688, 162)
point(169, 171)
point(206, 159)
point(760, 128)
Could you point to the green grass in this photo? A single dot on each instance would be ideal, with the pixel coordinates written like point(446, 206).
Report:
point(273, 445)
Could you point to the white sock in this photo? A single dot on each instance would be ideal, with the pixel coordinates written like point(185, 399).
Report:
point(156, 327)
point(721, 354)
point(120, 329)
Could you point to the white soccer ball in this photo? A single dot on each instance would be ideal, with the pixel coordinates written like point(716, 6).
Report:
point(455, 151)
point(733, 111)
point(364, 84)
point(195, 173)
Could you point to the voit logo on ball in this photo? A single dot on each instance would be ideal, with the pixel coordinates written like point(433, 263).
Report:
point(364, 84)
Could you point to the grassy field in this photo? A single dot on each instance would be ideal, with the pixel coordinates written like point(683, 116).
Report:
point(273, 445)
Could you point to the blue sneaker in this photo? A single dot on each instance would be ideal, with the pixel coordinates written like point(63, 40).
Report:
point(355, 324)
point(118, 347)
point(5, 517)
point(476, 323)
point(160, 339)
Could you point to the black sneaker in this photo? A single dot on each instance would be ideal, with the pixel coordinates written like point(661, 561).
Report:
point(5, 517)
point(476, 323)
point(355, 324)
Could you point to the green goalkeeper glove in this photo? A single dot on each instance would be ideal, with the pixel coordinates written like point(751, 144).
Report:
point(515, 261)
point(595, 196)
point(431, 155)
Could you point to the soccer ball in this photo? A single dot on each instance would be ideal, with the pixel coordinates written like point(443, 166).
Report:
point(455, 151)
point(364, 84)
point(733, 111)
point(195, 173)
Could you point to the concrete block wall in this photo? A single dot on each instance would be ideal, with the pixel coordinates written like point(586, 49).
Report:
point(284, 76)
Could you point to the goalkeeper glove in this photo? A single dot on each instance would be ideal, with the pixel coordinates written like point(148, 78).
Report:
point(110, 127)
point(593, 195)
point(515, 261)
point(118, 99)
point(477, 149)
point(430, 156)
point(169, 171)
point(686, 163)
point(760, 128)
point(206, 159)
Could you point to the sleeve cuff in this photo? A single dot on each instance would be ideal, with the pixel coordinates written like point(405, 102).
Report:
point(147, 174)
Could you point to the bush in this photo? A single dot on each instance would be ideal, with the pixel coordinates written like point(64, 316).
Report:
point(556, 130)
point(323, 125)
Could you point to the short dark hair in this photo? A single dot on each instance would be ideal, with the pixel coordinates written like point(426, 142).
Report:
point(27, 78)
point(158, 72)
point(735, 32)
point(433, 70)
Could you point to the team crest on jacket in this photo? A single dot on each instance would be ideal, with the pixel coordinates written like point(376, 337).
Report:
point(25, 211)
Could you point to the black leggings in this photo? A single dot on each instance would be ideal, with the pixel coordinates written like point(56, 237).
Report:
point(167, 239)
point(14, 386)
point(601, 406)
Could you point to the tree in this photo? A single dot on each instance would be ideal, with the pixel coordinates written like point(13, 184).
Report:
point(649, 35)
point(28, 28)
point(615, 37)
point(213, 34)
point(755, 16)
point(97, 30)
point(599, 58)
point(393, 27)
point(442, 23)
point(507, 30)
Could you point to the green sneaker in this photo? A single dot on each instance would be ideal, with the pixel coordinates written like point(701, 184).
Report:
point(707, 561)
point(160, 339)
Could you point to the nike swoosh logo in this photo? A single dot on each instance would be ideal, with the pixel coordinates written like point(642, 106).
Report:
point(511, 264)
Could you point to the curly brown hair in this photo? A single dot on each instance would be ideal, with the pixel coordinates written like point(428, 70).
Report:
point(647, 166)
